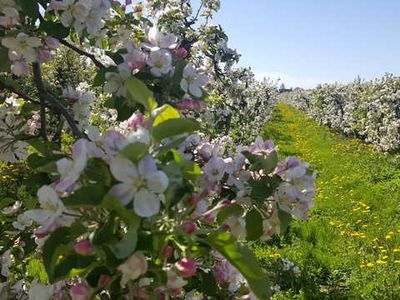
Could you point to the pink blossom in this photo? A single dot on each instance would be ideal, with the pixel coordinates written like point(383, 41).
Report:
point(260, 146)
point(194, 198)
point(138, 120)
point(80, 292)
point(44, 55)
point(20, 68)
point(191, 105)
point(52, 43)
point(189, 228)
point(83, 247)
point(181, 52)
point(167, 251)
point(104, 280)
point(186, 267)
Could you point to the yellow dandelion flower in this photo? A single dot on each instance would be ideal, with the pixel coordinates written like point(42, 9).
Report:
point(370, 264)
point(381, 262)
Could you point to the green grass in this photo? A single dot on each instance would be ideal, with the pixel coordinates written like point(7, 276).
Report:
point(350, 249)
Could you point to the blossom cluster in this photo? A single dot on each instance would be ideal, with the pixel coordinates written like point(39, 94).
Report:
point(367, 110)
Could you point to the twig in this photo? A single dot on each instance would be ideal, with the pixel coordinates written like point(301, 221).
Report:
point(46, 96)
point(20, 94)
point(82, 52)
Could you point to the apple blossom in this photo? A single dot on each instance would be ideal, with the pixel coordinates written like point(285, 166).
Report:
point(10, 17)
point(70, 169)
point(23, 45)
point(142, 183)
point(133, 267)
point(160, 40)
point(192, 81)
point(160, 62)
point(51, 215)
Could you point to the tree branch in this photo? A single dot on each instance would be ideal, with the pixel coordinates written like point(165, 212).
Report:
point(82, 52)
point(20, 94)
point(46, 96)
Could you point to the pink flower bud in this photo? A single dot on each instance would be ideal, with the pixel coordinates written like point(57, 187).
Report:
point(137, 120)
point(138, 9)
point(194, 198)
point(189, 228)
point(80, 292)
point(123, 7)
point(52, 43)
point(104, 280)
point(167, 251)
point(208, 219)
point(83, 247)
point(13, 55)
point(181, 52)
point(186, 267)
point(226, 202)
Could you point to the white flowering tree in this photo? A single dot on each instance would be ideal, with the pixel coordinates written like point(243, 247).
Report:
point(367, 110)
point(130, 199)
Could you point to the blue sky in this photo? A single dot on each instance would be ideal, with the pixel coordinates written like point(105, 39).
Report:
point(306, 42)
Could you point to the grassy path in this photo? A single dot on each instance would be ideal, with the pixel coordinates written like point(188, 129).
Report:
point(350, 249)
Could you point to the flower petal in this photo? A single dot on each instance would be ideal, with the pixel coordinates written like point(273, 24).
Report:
point(157, 182)
point(123, 169)
point(146, 203)
point(124, 192)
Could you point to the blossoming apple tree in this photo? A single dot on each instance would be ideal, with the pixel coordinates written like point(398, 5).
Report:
point(138, 203)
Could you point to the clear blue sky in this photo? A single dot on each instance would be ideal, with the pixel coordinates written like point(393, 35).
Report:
point(305, 42)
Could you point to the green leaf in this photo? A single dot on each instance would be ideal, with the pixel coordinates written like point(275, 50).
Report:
point(263, 188)
point(88, 196)
point(4, 60)
point(54, 29)
point(165, 113)
point(140, 93)
point(285, 218)
point(30, 8)
point(174, 127)
point(105, 233)
point(136, 151)
point(97, 170)
point(229, 210)
point(45, 149)
point(56, 246)
point(259, 162)
point(208, 284)
point(126, 214)
point(254, 225)
point(46, 164)
point(190, 169)
point(244, 260)
point(127, 245)
point(123, 108)
point(72, 265)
